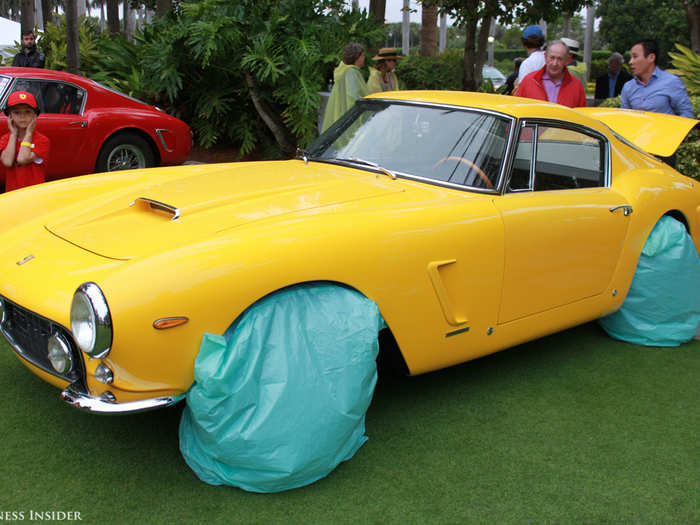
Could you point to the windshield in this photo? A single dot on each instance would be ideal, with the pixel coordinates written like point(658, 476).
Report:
point(4, 82)
point(446, 145)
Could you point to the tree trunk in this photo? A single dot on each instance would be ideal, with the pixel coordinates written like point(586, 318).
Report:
point(72, 39)
point(377, 10)
point(272, 120)
point(475, 52)
point(468, 81)
point(27, 23)
point(482, 47)
point(129, 22)
point(429, 30)
point(692, 8)
point(162, 8)
point(113, 17)
point(38, 16)
point(47, 12)
point(566, 24)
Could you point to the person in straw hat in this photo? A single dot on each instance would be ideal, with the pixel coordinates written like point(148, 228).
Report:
point(576, 65)
point(382, 76)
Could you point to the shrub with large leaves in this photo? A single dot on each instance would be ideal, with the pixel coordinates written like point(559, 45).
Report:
point(687, 65)
point(241, 71)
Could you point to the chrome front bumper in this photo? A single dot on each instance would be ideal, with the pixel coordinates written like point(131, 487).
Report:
point(99, 405)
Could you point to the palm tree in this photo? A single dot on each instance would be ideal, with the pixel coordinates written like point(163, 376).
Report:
point(113, 17)
point(72, 38)
point(377, 9)
point(163, 7)
point(429, 29)
point(27, 8)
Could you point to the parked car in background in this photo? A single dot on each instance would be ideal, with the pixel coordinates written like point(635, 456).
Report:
point(494, 75)
point(93, 128)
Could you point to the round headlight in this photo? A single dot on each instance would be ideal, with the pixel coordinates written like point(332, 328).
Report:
point(90, 321)
point(82, 322)
point(59, 354)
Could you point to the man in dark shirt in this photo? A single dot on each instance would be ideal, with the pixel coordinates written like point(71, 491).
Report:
point(30, 56)
point(610, 84)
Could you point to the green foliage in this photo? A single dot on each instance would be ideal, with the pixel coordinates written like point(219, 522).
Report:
point(204, 61)
point(209, 59)
point(598, 67)
point(443, 72)
point(440, 72)
point(625, 21)
point(53, 44)
point(687, 65)
point(688, 156)
point(117, 66)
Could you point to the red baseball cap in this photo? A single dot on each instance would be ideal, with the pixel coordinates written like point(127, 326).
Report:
point(17, 98)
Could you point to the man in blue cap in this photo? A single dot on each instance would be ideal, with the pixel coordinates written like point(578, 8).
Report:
point(532, 39)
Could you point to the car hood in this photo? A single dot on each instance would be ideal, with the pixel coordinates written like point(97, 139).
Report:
point(657, 133)
point(169, 207)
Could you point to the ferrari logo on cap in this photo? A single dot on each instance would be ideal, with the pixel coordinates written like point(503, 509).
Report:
point(22, 96)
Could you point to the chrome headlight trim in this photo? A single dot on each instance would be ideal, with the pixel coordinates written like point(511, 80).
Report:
point(90, 321)
point(2, 310)
point(58, 351)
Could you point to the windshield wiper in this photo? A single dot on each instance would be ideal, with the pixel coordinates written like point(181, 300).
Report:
point(368, 163)
point(302, 154)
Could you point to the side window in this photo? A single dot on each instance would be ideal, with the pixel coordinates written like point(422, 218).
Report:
point(51, 96)
point(564, 159)
point(568, 159)
point(520, 176)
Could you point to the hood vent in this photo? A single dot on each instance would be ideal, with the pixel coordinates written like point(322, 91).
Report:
point(158, 206)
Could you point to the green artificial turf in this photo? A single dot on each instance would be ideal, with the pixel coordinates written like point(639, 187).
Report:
point(573, 428)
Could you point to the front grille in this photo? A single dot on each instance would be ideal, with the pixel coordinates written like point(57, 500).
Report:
point(28, 334)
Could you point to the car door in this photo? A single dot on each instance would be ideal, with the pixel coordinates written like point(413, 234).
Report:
point(61, 120)
point(564, 227)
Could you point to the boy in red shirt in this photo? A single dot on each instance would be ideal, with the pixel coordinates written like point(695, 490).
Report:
point(24, 150)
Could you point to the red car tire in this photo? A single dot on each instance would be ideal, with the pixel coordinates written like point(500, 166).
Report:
point(125, 151)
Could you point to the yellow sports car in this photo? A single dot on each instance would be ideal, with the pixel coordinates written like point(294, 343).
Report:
point(475, 222)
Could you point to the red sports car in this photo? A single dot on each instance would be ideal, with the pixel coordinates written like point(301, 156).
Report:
point(93, 128)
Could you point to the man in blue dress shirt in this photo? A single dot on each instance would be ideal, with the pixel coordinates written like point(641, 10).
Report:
point(653, 89)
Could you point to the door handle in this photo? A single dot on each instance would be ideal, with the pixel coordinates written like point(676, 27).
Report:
point(626, 210)
point(78, 123)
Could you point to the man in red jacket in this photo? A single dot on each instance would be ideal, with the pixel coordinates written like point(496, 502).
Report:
point(554, 82)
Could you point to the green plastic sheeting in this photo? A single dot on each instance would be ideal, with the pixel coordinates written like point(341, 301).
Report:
point(662, 307)
point(280, 400)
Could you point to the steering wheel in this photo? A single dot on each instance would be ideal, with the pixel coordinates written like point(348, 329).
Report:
point(484, 178)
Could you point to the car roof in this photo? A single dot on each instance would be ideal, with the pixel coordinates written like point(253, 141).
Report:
point(514, 106)
point(32, 72)
point(655, 133)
